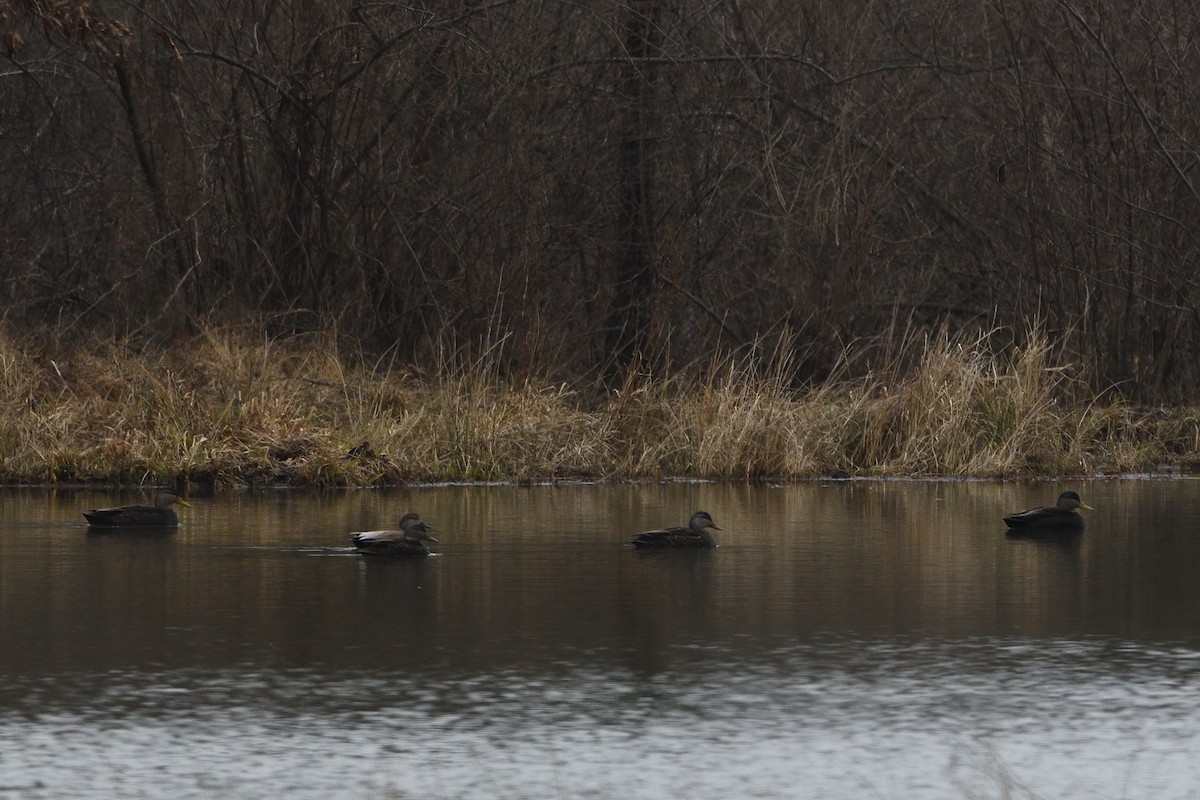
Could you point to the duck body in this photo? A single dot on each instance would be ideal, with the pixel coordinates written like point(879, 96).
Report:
point(1060, 517)
point(695, 534)
point(159, 515)
point(409, 540)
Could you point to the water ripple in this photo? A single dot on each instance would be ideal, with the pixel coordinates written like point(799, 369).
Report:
point(840, 719)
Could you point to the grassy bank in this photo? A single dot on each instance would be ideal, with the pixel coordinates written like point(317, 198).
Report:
point(232, 409)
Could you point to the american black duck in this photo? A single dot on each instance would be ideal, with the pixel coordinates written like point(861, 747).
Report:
point(694, 535)
point(1062, 516)
point(159, 515)
point(408, 541)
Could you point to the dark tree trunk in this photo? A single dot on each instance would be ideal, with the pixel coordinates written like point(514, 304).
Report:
point(635, 274)
point(169, 229)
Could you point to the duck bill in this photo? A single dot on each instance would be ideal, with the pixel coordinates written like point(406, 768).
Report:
point(1085, 506)
point(183, 502)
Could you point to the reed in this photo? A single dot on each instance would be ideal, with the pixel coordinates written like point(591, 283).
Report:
point(231, 408)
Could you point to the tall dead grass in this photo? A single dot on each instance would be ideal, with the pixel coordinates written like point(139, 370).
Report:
point(229, 408)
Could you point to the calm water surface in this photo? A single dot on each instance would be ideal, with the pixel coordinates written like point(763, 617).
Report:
point(852, 640)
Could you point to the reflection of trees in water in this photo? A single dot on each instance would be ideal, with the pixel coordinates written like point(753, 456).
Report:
point(530, 577)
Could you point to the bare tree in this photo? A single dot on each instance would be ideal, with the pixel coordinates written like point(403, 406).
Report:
point(578, 188)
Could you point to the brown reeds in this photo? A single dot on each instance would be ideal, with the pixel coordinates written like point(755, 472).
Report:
point(232, 409)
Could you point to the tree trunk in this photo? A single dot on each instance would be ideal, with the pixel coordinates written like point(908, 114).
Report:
point(635, 274)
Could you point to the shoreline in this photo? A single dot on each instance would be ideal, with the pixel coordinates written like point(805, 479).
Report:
point(200, 489)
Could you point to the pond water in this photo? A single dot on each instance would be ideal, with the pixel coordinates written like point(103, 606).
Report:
point(857, 639)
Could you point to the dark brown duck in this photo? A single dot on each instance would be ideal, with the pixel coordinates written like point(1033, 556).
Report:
point(409, 540)
point(159, 515)
point(694, 535)
point(1061, 516)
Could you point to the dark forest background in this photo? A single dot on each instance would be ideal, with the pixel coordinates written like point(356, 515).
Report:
point(573, 187)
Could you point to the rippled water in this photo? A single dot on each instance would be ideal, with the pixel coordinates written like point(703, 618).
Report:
point(847, 640)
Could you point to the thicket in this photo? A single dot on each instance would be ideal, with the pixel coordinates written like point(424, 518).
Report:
point(575, 190)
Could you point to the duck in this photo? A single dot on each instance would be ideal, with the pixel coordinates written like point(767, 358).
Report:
point(694, 535)
point(409, 540)
point(159, 515)
point(1061, 516)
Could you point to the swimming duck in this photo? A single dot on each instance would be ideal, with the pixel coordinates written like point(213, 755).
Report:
point(158, 515)
point(694, 535)
point(408, 541)
point(1061, 516)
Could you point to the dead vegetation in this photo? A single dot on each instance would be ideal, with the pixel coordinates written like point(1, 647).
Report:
point(233, 409)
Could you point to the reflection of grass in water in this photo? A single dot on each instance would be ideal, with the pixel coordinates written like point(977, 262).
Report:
point(233, 408)
point(994, 778)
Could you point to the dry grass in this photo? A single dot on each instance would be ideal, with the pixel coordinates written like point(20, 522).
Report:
point(228, 408)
